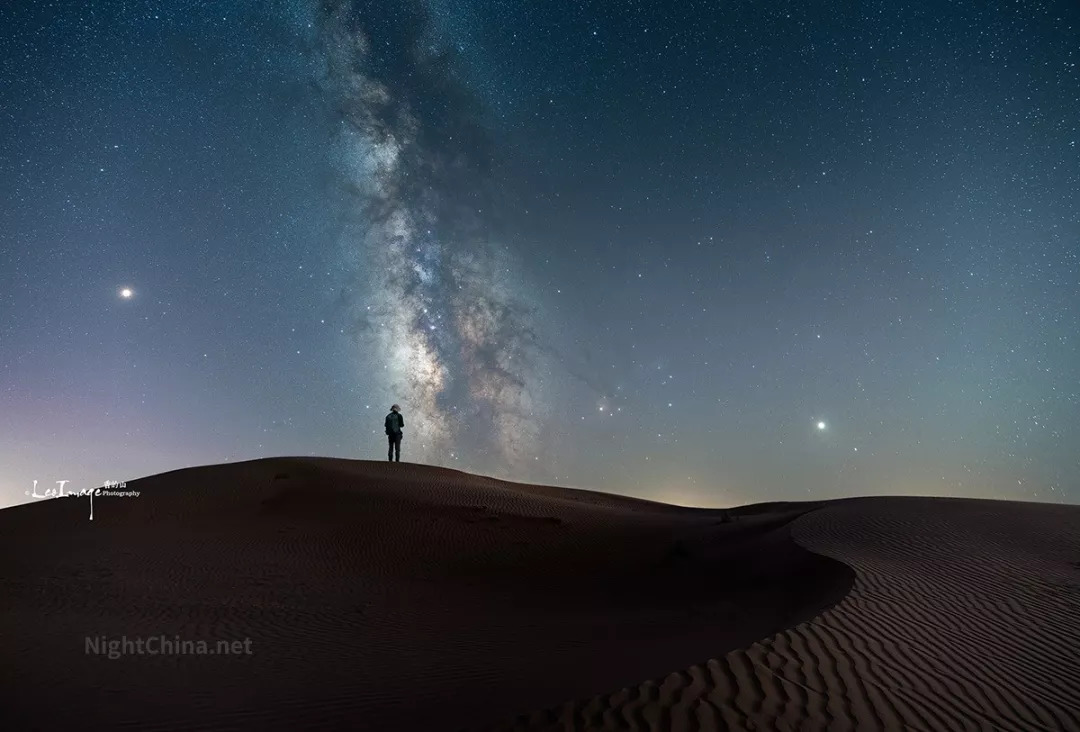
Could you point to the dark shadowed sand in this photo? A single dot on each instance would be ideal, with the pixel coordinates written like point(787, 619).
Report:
point(965, 615)
point(404, 597)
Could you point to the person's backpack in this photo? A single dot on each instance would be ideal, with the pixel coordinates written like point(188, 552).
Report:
point(393, 424)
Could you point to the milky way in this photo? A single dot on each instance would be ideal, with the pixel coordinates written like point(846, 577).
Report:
point(637, 247)
point(438, 309)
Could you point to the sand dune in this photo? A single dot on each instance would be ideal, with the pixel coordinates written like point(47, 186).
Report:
point(404, 597)
point(377, 596)
point(964, 615)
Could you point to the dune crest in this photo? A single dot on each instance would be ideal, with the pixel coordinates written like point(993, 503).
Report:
point(377, 596)
point(964, 614)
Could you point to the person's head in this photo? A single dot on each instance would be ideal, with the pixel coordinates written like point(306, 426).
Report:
point(395, 408)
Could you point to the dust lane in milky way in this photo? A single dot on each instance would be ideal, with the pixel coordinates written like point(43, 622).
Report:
point(444, 321)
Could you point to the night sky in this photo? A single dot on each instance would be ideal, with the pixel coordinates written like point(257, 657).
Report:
point(707, 253)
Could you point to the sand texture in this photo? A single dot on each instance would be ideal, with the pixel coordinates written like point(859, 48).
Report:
point(405, 597)
point(964, 615)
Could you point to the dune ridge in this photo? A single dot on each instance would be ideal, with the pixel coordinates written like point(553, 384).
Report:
point(381, 597)
point(964, 614)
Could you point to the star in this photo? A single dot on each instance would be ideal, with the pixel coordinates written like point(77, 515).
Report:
point(821, 425)
point(127, 293)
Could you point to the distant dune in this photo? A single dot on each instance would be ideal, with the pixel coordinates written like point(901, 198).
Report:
point(375, 596)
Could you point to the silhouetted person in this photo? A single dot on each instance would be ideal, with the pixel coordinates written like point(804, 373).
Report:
point(394, 423)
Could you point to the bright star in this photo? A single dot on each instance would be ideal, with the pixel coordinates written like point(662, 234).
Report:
point(127, 293)
point(821, 425)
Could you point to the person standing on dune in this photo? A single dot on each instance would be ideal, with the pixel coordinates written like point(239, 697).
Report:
point(394, 423)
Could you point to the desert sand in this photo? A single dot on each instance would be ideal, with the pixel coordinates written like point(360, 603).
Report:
point(381, 596)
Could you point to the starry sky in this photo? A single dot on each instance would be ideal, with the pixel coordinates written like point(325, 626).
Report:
point(707, 253)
